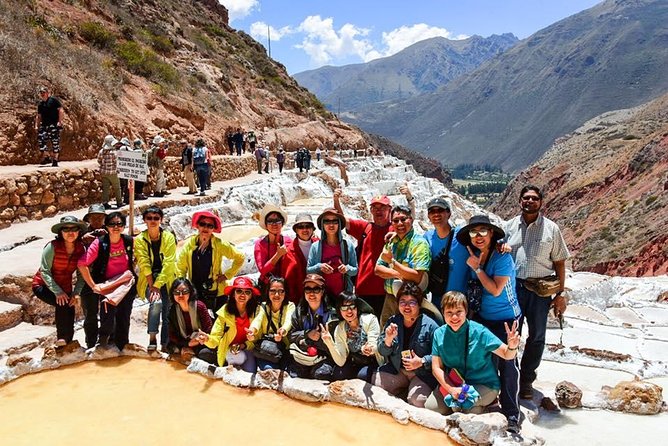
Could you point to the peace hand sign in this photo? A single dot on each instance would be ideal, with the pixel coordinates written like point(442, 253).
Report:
point(512, 335)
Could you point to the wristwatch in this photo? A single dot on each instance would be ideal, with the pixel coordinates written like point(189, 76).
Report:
point(478, 270)
point(424, 361)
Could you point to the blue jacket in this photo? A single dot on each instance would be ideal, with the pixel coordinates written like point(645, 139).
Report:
point(349, 258)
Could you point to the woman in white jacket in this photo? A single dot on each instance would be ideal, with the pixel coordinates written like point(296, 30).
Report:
point(353, 346)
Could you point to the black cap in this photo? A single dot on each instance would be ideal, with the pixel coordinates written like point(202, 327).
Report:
point(438, 202)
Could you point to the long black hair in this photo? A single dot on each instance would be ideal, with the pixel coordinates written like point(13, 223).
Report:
point(186, 282)
point(251, 306)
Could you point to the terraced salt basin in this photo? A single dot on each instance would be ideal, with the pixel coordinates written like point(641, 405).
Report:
point(138, 401)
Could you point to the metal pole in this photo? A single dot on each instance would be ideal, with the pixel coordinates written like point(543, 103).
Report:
point(269, 40)
point(131, 211)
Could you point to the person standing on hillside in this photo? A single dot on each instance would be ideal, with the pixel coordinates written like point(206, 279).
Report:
point(188, 167)
point(48, 125)
point(107, 158)
point(539, 251)
point(239, 141)
point(156, 161)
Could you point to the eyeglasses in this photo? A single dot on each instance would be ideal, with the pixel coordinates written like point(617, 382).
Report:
point(458, 313)
point(306, 226)
point(347, 307)
point(308, 289)
point(400, 220)
point(71, 229)
point(116, 224)
point(331, 222)
point(436, 210)
point(274, 222)
point(480, 233)
point(530, 198)
point(150, 218)
point(279, 292)
point(408, 303)
point(181, 292)
point(206, 225)
point(244, 292)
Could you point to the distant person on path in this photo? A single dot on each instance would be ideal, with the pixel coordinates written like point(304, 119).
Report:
point(229, 138)
point(53, 282)
point(259, 154)
point(201, 166)
point(252, 140)
point(48, 125)
point(539, 251)
point(307, 160)
point(266, 158)
point(318, 152)
point(188, 167)
point(239, 141)
point(299, 159)
point(139, 185)
point(280, 159)
point(448, 270)
point(156, 160)
point(107, 158)
point(370, 236)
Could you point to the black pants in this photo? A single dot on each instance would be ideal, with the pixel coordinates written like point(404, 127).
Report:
point(323, 370)
point(64, 313)
point(115, 320)
point(90, 302)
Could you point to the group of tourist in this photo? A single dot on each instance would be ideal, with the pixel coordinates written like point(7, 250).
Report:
point(326, 307)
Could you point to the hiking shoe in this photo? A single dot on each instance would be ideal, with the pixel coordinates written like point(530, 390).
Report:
point(61, 343)
point(46, 160)
point(54, 163)
point(526, 391)
point(513, 425)
point(152, 346)
point(201, 194)
point(140, 197)
point(190, 192)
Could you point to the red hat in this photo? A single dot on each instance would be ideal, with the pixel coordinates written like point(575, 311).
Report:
point(208, 214)
point(242, 283)
point(381, 199)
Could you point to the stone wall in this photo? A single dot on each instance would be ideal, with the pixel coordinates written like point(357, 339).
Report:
point(39, 194)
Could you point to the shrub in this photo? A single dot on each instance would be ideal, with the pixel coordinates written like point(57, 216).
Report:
point(214, 30)
point(162, 44)
point(651, 199)
point(145, 62)
point(96, 34)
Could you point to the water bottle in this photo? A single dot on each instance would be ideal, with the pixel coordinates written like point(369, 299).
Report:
point(462, 395)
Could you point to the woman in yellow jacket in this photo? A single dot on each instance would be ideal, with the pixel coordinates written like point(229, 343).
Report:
point(200, 260)
point(272, 324)
point(155, 254)
point(230, 331)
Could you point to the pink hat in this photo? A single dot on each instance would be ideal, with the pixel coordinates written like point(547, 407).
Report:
point(381, 199)
point(242, 283)
point(207, 214)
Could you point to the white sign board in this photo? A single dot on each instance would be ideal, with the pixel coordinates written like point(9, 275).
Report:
point(132, 165)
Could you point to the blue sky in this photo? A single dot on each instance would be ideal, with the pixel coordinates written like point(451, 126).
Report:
point(307, 34)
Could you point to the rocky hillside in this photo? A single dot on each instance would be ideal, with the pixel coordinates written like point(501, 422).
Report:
point(510, 110)
point(421, 68)
point(606, 185)
point(139, 67)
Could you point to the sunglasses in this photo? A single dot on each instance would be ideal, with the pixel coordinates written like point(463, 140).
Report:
point(436, 210)
point(244, 292)
point(71, 229)
point(308, 289)
point(150, 218)
point(181, 292)
point(480, 233)
point(116, 224)
point(400, 220)
point(331, 222)
point(279, 292)
point(206, 225)
point(301, 227)
point(531, 198)
point(408, 303)
point(347, 307)
point(274, 222)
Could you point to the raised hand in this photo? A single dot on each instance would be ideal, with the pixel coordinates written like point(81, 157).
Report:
point(391, 332)
point(473, 261)
point(325, 334)
point(513, 337)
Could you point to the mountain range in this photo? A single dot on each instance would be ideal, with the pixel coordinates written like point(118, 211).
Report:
point(509, 110)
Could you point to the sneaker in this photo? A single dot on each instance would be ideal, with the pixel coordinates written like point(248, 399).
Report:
point(513, 425)
point(140, 197)
point(46, 160)
point(166, 193)
point(201, 194)
point(190, 192)
point(61, 343)
point(54, 163)
point(152, 346)
point(158, 194)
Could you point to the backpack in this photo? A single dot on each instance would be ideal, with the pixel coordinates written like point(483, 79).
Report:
point(199, 156)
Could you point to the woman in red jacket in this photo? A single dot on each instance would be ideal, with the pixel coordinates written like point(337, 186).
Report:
point(295, 259)
point(270, 249)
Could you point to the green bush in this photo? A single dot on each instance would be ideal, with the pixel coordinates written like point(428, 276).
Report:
point(96, 34)
point(147, 63)
point(651, 199)
point(214, 30)
point(162, 44)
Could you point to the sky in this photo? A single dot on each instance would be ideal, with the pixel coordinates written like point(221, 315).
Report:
point(307, 34)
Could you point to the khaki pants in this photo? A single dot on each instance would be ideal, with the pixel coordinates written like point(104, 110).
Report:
point(190, 179)
point(160, 183)
point(418, 390)
point(113, 182)
point(390, 308)
point(487, 396)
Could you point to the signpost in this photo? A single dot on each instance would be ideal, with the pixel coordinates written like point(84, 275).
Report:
point(132, 165)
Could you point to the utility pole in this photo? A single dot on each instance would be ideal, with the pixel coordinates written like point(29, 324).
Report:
point(269, 40)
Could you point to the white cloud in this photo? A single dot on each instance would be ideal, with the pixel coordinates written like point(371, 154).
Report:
point(323, 43)
point(239, 9)
point(403, 37)
point(259, 31)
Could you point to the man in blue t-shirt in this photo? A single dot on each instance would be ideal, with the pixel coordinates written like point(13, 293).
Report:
point(448, 270)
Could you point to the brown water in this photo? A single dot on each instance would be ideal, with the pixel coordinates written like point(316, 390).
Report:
point(134, 401)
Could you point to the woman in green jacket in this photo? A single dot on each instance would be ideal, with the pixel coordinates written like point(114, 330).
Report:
point(155, 255)
point(200, 260)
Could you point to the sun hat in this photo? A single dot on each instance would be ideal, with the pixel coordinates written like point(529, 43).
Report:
point(242, 283)
point(207, 214)
point(463, 236)
point(317, 278)
point(109, 142)
point(97, 208)
point(438, 202)
point(381, 199)
point(302, 218)
point(158, 140)
point(125, 141)
point(332, 211)
point(69, 220)
point(268, 209)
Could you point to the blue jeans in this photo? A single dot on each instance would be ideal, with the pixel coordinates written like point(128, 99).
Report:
point(155, 309)
point(202, 171)
point(535, 310)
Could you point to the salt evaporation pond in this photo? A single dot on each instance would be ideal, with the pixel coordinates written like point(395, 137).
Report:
point(135, 401)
